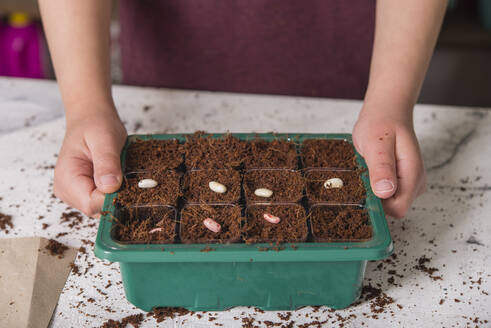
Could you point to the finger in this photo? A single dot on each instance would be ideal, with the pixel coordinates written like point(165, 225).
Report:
point(75, 186)
point(381, 164)
point(105, 153)
point(410, 174)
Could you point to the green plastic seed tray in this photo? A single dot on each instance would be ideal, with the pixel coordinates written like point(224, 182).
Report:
point(214, 277)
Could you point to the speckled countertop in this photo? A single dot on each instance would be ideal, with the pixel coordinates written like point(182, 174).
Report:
point(450, 224)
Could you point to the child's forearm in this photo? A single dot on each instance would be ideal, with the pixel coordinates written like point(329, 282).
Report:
point(405, 35)
point(79, 42)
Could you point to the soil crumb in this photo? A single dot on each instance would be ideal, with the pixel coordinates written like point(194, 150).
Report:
point(56, 248)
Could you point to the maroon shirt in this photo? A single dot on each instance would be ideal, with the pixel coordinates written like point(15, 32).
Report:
point(291, 47)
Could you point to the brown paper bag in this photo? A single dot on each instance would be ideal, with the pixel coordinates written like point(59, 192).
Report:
point(31, 281)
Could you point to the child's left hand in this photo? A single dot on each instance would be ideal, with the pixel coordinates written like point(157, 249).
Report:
point(390, 148)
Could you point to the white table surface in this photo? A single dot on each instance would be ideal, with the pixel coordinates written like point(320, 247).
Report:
point(456, 145)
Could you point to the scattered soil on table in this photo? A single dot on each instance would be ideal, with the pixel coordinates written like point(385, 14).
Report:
point(378, 299)
point(162, 313)
point(204, 152)
point(340, 223)
point(352, 191)
point(72, 217)
point(165, 193)
point(421, 266)
point(136, 224)
point(287, 185)
point(275, 154)
point(197, 190)
point(6, 223)
point(194, 231)
point(148, 155)
point(291, 228)
point(56, 248)
point(328, 154)
point(135, 320)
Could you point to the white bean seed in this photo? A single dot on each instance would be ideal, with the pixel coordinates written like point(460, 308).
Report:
point(212, 225)
point(263, 192)
point(217, 187)
point(147, 183)
point(271, 218)
point(333, 183)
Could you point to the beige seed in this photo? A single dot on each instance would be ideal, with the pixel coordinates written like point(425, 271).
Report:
point(263, 192)
point(147, 183)
point(333, 183)
point(156, 230)
point(217, 187)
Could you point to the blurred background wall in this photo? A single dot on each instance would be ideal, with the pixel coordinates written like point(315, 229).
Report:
point(459, 73)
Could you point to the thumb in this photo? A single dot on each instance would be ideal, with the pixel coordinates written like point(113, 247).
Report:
point(105, 153)
point(380, 158)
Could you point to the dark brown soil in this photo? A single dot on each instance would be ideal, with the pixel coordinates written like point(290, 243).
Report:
point(162, 313)
point(275, 154)
point(194, 231)
point(134, 320)
point(165, 193)
point(147, 155)
point(430, 271)
point(5, 222)
point(291, 228)
point(56, 248)
point(328, 154)
point(205, 152)
point(352, 191)
point(196, 189)
point(340, 223)
point(137, 222)
point(287, 185)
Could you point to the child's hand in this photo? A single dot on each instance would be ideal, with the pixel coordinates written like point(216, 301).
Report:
point(391, 151)
point(89, 161)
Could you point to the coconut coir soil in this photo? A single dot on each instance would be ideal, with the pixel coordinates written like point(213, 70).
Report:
point(197, 190)
point(291, 228)
point(352, 191)
point(340, 223)
point(287, 185)
point(275, 154)
point(328, 154)
point(165, 193)
point(137, 222)
point(194, 231)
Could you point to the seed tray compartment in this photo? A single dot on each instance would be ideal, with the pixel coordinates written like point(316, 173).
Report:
point(214, 277)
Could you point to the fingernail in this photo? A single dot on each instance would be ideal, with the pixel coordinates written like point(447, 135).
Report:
point(383, 186)
point(109, 180)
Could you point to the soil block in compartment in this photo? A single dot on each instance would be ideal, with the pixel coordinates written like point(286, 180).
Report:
point(336, 223)
point(287, 185)
point(197, 190)
point(146, 224)
point(353, 190)
point(193, 231)
point(166, 192)
point(291, 228)
point(275, 154)
point(146, 155)
point(204, 152)
point(328, 154)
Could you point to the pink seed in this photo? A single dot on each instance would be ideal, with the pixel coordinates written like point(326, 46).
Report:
point(271, 218)
point(156, 230)
point(212, 225)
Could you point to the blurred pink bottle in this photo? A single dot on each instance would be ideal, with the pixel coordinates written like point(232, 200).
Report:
point(21, 47)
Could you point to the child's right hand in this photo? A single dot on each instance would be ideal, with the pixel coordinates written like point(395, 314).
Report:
point(88, 164)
